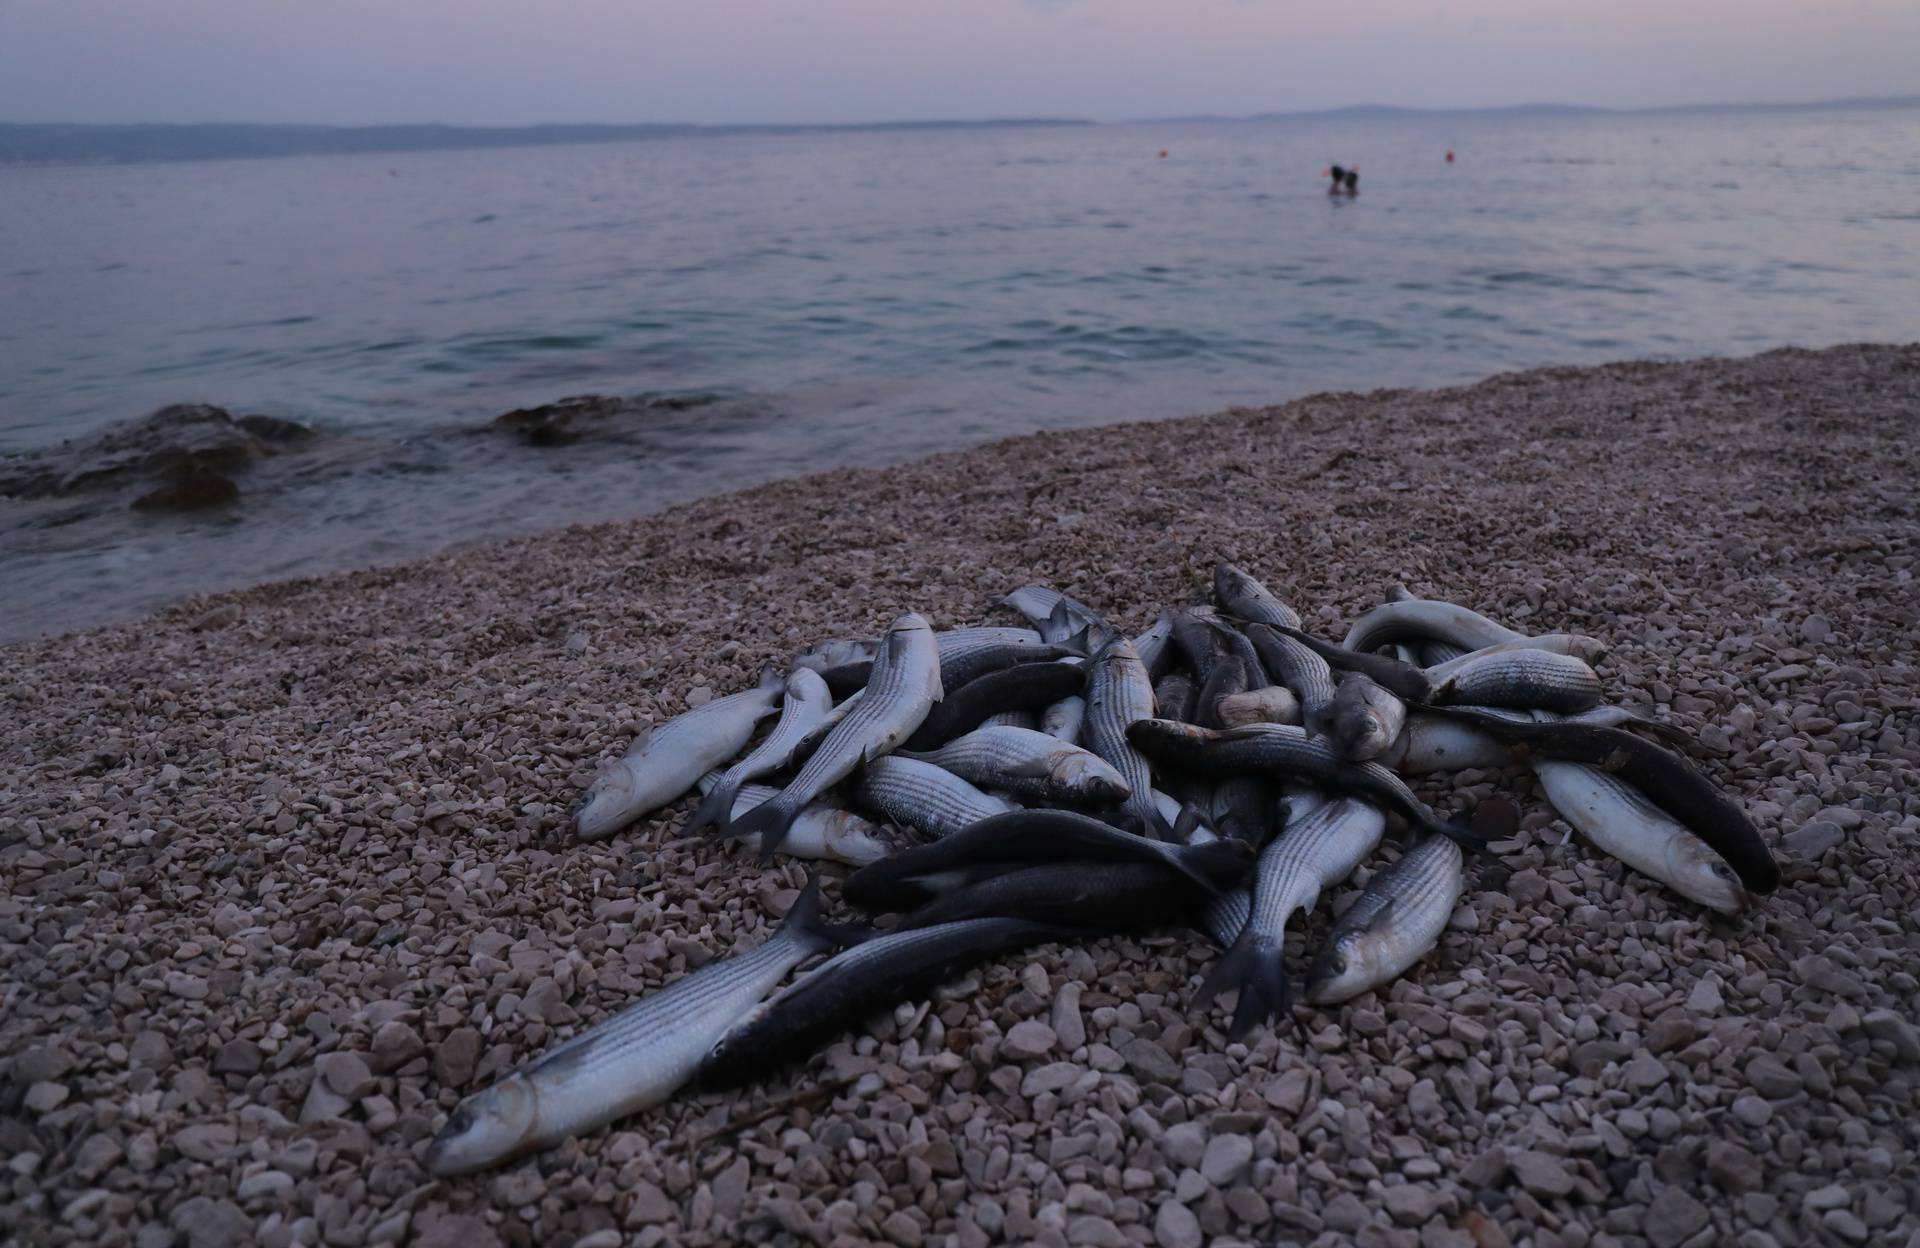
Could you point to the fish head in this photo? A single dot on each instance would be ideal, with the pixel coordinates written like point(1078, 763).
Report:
point(1343, 969)
point(851, 839)
point(604, 809)
point(1701, 875)
point(486, 1128)
point(1083, 772)
point(1587, 649)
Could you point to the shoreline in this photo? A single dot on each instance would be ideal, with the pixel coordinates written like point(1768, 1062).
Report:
point(318, 817)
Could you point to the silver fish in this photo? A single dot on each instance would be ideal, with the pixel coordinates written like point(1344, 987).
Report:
point(664, 761)
point(632, 1061)
point(1429, 743)
point(1426, 619)
point(1308, 855)
point(1393, 924)
point(1011, 719)
point(1154, 646)
point(1521, 679)
point(1241, 596)
point(924, 796)
point(836, 652)
point(1364, 718)
point(904, 686)
point(1065, 719)
point(1619, 820)
point(820, 831)
point(806, 704)
point(1571, 645)
point(1119, 694)
point(1033, 764)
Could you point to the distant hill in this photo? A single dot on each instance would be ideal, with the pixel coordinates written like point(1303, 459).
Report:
point(78, 144)
point(1388, 112)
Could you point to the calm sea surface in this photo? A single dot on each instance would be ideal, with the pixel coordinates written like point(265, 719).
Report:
point(865, 298)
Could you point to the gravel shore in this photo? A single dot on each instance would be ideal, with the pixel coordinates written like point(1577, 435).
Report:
point(284, 874)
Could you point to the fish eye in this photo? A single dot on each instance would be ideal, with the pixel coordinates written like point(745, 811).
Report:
point(1722, 870)
point(1339, 964)
point(460, 1119)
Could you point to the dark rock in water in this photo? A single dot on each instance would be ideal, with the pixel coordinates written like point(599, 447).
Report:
point(589, 415)
point(190, 491)
point(191, 447)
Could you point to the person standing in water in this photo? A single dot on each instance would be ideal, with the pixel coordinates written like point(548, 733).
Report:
point(1353, 181)
point(1339, 179)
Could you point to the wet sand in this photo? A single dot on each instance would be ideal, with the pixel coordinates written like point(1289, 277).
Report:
point(284, 875)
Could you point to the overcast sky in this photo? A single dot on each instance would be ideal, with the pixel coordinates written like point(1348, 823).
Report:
point(517, 61)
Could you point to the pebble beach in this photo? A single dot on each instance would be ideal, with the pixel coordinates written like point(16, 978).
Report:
point(286, 871)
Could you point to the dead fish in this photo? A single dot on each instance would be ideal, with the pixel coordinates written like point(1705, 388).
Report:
point(1155, 646)
point(1119, 695)
point(1431, 743)
point(921, 795)
point(1033, 764)
point(1403, 911)
point(1065, 719)
point(1307, 856)
point(905, 686)
point(1302, 670)
point(1242, 597)
point(805, 704)
point(1364, 718)
point(1281, 752)
point(664, 761)
point(1105, 896)
point(820, 831)
point(848, 987)
point(1033, 836)
point(1027, 686)
point(1426, 619)
point(1229, 679)
point(1567, 645)
point(630, 1062)
point(1176, 698)
point(1522, 679)
point(1619, 820)
point(1664, 778)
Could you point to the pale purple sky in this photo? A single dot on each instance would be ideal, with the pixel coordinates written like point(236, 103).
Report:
point(517, 61)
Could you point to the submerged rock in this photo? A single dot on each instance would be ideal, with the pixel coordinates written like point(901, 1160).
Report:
point(184, 455)
point(589, 415)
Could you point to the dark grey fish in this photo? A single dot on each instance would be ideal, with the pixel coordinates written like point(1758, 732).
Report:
point(1197, 641)
point(1106, 896)
point(1026, 686)
point(1029, 763)
point(850, 986)
point(967, 665)
point(1176, 698)
point(1423, 619)
point(1155, 647)
point(1281, 751)
point(1228, 679)
point(1030, 836)
point(1666, 779)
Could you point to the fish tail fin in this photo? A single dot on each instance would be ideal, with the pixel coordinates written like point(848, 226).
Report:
point(770, 820)
point(715, 809)
point(1254, 967)
point(771, 677)
point(804, 922)
point(1216, 866)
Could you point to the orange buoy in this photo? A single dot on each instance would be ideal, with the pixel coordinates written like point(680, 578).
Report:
point(1449, 155)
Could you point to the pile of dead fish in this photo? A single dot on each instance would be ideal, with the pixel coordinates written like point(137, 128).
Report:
point(1060, 781)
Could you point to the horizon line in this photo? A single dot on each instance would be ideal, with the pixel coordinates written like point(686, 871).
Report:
point(1261, 115)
